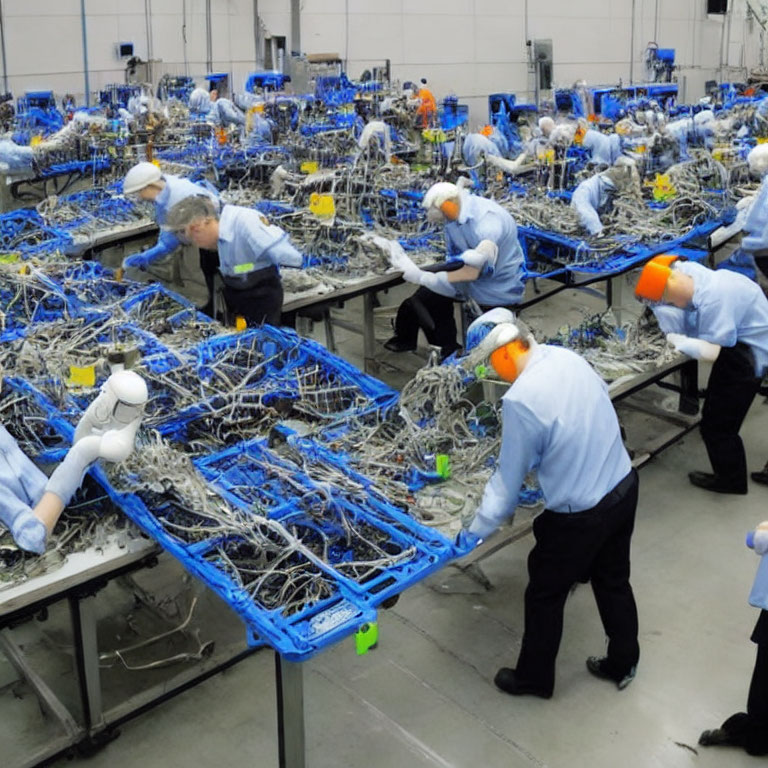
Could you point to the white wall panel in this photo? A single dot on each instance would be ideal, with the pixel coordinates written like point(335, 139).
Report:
point(323, 33)
point(35, 45)
point(41, 8)
point(371, 6)
point(323, 6)
point(131, 7)
point(103, 33)
point(498, 38)
point(165, 7)
point(439, 7)
point(438, 39)
point(167, 37)
point(388, 42)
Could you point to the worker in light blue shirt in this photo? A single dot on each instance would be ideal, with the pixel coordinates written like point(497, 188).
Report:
point(605, 148)
point(594, 196)
point(558, 419)
point(481, 242)
point(476, 146)
point(251, 250)
point(219, 111)
point(719, 317)
point(165, 190)
point(754, 213)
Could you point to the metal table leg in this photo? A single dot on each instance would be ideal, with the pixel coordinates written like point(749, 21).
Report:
point(289, 681)
point(369, 339)
point(87, 660)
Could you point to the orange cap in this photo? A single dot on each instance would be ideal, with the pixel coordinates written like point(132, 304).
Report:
point(653, 278)
point(486, 130)
point(504, 359)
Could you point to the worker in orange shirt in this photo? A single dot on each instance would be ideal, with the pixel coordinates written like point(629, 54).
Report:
point(427, 108)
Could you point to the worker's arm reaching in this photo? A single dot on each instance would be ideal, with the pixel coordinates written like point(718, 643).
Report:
point(166, 243)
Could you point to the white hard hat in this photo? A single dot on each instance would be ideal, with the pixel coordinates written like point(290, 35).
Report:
point(546, 125)
point(438, 193)
point(483, 336)
point(141, 176)
point(758, 159)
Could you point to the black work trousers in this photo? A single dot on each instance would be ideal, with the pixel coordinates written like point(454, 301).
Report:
point(260, 303)
point(750, 729)
point(209, 265)
point(731, 389)
point(432, 313)
point(582, 546)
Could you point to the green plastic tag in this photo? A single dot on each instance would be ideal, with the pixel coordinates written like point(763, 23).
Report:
point(481, 371)
point(9, 258)
point(443, 465)
point(366, 637)
point(238, 269)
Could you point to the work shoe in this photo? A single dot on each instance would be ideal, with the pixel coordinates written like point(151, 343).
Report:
point(710, 482)
point(761, 476)
point(396, 344)
point(599, 668)
point(716, 737)
point(507, 680)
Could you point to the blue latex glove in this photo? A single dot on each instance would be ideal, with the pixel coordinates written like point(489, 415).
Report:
point(465, 542)
point(166, 243)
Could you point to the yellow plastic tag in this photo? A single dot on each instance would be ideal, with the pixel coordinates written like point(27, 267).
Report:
point(762, 139)
point(9, 258)
point(322, 205)
point(24, 269)
point(155, 162)
point(240, 269)
point(309, 166)
point(35, 140)
point(82, 377)
point(549, 156)
point(240, 323)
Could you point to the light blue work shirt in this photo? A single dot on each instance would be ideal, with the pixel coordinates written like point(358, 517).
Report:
point(475, 146)
point(679, 130)
point(247, 242)
point(175, 190)
point(224, 112)
point(727, 308)
point(593, 197)
point(22, 484)
point(483, 219)
point(557, 418)
point(605, 148)
point(756, 224)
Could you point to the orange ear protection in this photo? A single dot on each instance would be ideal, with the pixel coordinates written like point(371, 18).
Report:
point(653, 278)
point(505, 359)
point(450, 209)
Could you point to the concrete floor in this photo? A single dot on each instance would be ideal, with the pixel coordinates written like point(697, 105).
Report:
point(425, 696)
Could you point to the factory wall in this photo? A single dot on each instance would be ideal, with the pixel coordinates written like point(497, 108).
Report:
point(475, 47)
point(466, 47)
point(44, 40)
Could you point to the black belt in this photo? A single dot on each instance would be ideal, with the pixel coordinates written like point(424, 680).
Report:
point(251, 279)
point(610, 498)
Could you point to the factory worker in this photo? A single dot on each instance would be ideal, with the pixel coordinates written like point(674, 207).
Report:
point(250, 252)
point(376, 135)
point(426, 108)
point(749, 730)
point(476, 147)
point(220, 111)
point(31, 503)
point(557, 418)
point(604, 149)
point(720, 317)
point(754, 242)
point(481, 237)
point(148, 182)
point(594, 196)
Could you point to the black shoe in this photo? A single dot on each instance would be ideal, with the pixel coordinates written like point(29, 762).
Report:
point(717, 737)
point(206, 309)
point(710, 482)
point(506, 680)
point(761, 476)
point(600, 668)
point(396, 344)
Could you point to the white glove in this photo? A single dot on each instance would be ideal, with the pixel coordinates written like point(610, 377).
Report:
point(745, 202)
point(402, 262)
point(490, 250)
point(695, 348)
